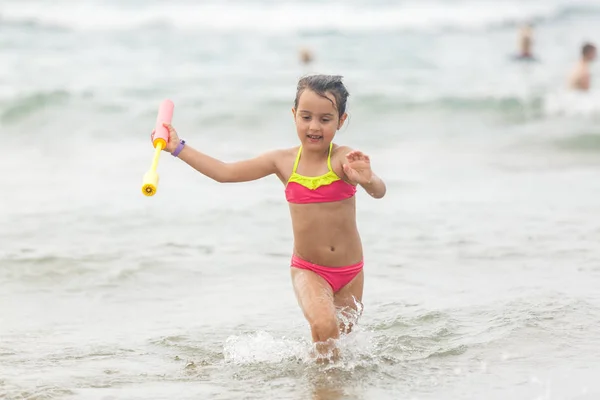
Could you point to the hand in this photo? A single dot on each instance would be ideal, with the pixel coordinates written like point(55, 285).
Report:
point(173, 141)
point(358, 167)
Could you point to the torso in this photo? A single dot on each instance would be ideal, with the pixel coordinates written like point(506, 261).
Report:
point(580, 77)
point(324, 233)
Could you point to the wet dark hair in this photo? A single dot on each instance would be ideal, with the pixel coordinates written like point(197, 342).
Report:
point(587, 48)
point(321, 84)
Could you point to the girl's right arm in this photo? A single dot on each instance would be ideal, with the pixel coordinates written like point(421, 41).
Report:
point(241, 171)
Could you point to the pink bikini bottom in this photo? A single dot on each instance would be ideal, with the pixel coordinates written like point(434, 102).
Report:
point(337, 277)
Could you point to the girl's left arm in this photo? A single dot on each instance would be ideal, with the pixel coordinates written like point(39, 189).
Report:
point(375, 186)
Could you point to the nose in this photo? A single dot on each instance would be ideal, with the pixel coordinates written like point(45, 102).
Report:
point(314, 125)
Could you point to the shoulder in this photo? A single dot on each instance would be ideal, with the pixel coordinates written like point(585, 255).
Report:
point(581, 68)
point(340, 151)
point(285, 154)
point(338, 159)
point(282, 157)
point(282, 160)
point(338, 154)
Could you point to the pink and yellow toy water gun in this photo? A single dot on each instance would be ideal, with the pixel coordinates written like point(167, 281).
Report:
point(161, 138)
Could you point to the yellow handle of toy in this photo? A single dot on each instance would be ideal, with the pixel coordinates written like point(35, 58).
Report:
point(150, 181)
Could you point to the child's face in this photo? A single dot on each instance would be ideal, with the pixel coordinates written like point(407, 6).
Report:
point(316, 119)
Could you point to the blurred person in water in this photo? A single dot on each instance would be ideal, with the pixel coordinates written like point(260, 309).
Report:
point(525, 43)
point(580, 78)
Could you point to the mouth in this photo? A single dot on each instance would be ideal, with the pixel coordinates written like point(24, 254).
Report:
point(314, 138)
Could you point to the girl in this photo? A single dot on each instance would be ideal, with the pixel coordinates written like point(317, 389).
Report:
point(320, 180)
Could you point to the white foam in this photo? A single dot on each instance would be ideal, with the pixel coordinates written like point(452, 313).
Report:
point(572, 104)
point(282, 16)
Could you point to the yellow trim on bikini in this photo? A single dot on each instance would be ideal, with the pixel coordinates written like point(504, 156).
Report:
point(314, 182)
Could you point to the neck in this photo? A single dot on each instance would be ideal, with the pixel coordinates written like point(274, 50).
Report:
point(315, 154)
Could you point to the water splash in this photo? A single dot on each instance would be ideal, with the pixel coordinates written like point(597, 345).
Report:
point(263, 347)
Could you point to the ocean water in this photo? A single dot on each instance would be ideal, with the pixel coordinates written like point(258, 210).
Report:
point(482, 262)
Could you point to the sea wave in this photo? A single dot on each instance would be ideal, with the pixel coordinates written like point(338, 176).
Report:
point(16, 110)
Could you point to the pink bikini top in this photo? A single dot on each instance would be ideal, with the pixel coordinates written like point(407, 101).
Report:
point(318, 189)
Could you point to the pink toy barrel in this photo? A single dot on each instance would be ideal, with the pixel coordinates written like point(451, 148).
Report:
point(165, 114)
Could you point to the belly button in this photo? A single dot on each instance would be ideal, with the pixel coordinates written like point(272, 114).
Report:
point(332, 248)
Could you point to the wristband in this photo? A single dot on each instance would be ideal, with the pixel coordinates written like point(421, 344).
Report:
point(180, 147)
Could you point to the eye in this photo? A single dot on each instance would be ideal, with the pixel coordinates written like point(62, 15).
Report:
point(305, 118)
point(326, 120)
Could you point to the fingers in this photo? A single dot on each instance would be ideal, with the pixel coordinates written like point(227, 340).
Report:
point(354, 155)
point(357, 155)
point(169, 127)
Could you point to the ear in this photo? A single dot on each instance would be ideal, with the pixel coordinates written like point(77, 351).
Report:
point(342, 120)
point(294, 112)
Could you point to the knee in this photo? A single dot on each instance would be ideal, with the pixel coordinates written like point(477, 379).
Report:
point(324, 329)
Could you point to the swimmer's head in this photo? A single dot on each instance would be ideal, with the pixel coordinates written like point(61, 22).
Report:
point(588, 52)
point(320, 107)
point(306, 56)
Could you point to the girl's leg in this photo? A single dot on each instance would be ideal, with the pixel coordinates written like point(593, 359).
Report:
point(349, 300)
point(315, 298)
